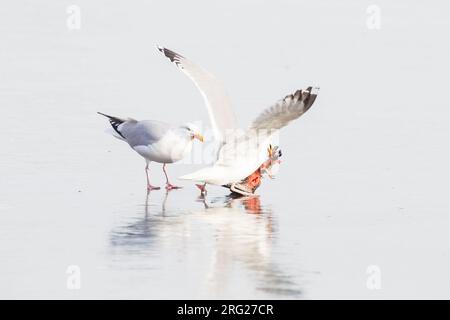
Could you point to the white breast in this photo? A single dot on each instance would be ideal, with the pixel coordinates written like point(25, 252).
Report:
point(235, 163)
point(171, 148)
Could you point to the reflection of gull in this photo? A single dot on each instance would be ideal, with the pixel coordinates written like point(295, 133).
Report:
point(241, 153)
point(155, 141)
point(139, 233)
point(148, 231)
point(246, 240)
point(241, 236)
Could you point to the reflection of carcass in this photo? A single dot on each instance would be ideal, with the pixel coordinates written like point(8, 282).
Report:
point(244, 232)
point(240, 236)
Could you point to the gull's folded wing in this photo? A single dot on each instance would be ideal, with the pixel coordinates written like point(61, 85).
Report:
point(217, 102)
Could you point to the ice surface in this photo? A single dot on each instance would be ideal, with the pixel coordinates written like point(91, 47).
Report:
point(364, 179)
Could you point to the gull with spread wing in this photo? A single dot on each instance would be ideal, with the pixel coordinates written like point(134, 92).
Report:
point(241, 153)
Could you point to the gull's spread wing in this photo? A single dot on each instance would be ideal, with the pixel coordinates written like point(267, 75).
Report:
point(285, 110)
point(217, 102)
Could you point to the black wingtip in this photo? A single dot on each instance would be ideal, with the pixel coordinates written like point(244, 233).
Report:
point(161, 49)
point(115, 122)
point(105, 115)
point(311, 95)
point(172, 55)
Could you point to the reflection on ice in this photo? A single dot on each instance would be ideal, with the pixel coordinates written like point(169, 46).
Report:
point(245, 231)
point(240, 230)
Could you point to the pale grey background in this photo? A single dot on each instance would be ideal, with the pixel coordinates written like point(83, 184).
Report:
point(365, 177)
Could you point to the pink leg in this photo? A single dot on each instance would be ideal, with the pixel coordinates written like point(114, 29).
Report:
point(149, 186)
point(169, 186)
point(202, 188)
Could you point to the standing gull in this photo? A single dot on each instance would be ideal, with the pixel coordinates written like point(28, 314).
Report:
point(155, 141)
point(160, 142)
